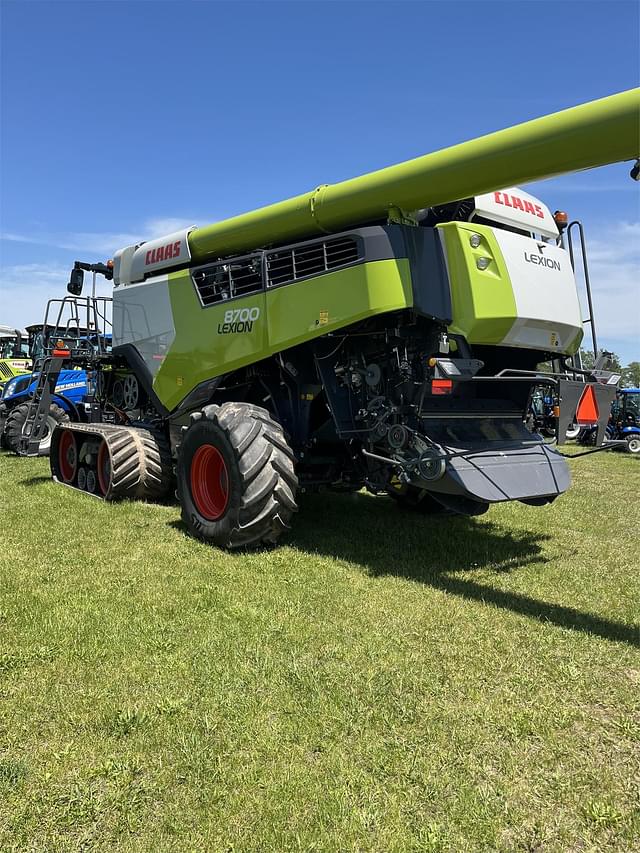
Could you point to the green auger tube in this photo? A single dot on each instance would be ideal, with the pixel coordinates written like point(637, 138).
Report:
point(583, 137)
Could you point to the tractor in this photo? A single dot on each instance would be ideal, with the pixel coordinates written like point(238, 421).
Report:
point(623, 428)
point(71, 397)
point(383, 333)
point(14, 355)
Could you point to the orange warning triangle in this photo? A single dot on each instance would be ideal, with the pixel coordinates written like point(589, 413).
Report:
point(587, 412)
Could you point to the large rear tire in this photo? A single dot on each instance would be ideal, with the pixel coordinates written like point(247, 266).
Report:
point(236, 476)
point(15, 422)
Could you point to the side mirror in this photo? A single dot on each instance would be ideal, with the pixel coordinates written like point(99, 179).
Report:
point(75, 282)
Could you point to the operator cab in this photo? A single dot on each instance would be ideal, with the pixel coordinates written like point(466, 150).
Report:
point(626, 408)
point(13, 342)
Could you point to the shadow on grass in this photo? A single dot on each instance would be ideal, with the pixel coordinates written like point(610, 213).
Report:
point(386, 540)
point(36, 481)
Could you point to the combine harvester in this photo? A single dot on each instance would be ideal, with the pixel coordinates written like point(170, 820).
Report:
point(382, 332)
point(14, 356)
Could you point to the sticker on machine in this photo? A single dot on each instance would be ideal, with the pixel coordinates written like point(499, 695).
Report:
point(238, 320)
point(544, 288)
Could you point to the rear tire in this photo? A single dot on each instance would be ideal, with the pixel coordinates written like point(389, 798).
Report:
point(236, 476)
point(633, 444)
point(16, 419)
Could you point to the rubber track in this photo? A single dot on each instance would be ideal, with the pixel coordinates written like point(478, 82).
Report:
point(141, 464)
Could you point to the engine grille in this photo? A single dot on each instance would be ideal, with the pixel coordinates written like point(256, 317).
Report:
point(224, 280)
point(289, 265)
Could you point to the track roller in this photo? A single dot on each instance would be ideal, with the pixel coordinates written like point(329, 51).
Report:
point(111, 461)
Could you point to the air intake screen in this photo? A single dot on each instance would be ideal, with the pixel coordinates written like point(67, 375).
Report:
point(222, 281)
point(312, 259)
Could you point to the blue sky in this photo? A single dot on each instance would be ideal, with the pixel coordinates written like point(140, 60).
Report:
point(123, 120)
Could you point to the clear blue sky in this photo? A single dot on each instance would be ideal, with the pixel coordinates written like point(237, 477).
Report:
point(121, 119)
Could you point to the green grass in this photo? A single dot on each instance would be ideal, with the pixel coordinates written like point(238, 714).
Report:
point(380, 682)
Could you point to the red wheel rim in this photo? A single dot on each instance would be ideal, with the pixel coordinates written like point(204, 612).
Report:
point(67, 456)
point(104, 468)
point(209, 482)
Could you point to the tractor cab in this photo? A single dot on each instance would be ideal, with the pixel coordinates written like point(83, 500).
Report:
point(625, 410)
point(625, 419)
point(623, 429)
point(13, 343)
point(14, 356)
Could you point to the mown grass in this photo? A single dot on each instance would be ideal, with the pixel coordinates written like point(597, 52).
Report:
point(380, 682)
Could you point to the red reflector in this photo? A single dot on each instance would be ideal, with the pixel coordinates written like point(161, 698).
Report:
point(60, 353)
point(441, 386)
point(587, 412)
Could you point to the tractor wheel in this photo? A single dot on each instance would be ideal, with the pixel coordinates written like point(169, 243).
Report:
point(236, 477)
point(16, 419)
point(573, 431)
point(417, 500)
point(633, 444)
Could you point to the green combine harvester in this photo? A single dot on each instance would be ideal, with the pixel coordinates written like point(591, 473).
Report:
point(14, 354)
point(384, 332)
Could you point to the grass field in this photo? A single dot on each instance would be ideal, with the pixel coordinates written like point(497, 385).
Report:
point(380, 682)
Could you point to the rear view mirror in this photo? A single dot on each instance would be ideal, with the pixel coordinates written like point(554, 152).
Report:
point(75, 282)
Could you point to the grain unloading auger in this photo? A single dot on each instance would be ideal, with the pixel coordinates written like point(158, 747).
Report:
point(382, 332)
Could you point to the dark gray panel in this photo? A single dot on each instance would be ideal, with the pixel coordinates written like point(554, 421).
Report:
point(431, 292)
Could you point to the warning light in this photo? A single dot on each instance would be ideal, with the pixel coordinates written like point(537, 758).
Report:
point(561, 219)
point(61, 350)
point(587, 411)
point(441, 386)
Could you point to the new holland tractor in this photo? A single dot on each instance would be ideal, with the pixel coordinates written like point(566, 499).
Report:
point(71, 394)
point(623, 429)
point(384, 332)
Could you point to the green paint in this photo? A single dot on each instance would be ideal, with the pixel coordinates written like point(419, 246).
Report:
point(575, 343)
point(289, 315)
point(12, 367)
point(484, 307)
point(311, 308)
point(583, 137)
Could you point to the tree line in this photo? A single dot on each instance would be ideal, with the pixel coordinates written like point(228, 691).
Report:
point(630, 374)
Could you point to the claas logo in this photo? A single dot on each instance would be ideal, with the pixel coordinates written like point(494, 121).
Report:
point(162, 253)
point(517, 203)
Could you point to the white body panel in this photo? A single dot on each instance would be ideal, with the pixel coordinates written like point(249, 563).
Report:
point(515, 207)
point(135, 263)
point(142, 316)
point(544, 289)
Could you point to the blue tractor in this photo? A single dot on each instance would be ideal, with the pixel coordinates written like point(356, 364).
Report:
point(625, 418)
point(623, 428)
point(73, 348)
point(67, 403)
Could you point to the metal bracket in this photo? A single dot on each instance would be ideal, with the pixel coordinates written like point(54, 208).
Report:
point(398, 216)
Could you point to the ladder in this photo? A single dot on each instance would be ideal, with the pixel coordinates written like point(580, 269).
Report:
point(35, 425)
